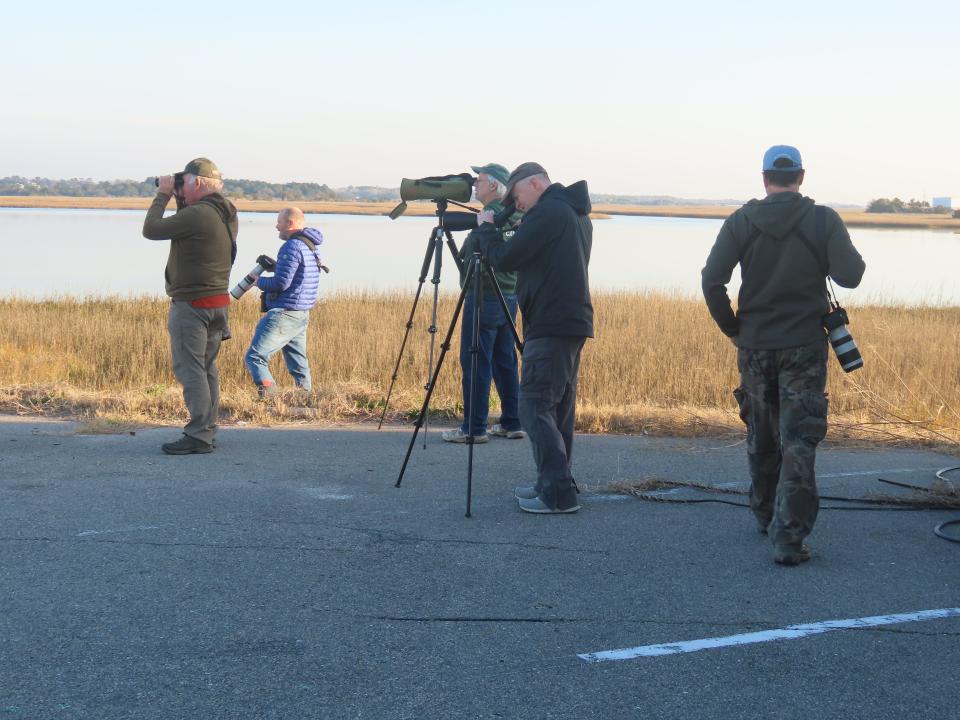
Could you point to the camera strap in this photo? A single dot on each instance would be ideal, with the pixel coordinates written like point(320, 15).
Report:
point(820, 225)
point(313, 248)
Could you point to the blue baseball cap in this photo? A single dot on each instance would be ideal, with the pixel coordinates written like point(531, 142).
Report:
point(782, 157)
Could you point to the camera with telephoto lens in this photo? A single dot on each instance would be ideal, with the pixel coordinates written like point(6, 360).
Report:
point(264, 264)
point(835, 323)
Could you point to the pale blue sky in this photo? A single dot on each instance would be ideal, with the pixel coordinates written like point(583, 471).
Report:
point(673, 99)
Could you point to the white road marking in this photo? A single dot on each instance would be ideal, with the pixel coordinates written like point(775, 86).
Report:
point(883, 471)
point(792, 632)
point(120, 530)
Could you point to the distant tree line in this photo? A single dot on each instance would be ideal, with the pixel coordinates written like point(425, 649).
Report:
point(896, 205)
point(245, 189)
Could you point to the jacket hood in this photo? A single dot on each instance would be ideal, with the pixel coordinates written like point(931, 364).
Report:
point(228, 213)
point(312, 234)
point(576, 196)
point(777, 215)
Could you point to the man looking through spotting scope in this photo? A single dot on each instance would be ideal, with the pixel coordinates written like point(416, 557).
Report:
point(289, 295)
point(497, 356)
point(203, 246)
point(786, 247)
point(550, 251)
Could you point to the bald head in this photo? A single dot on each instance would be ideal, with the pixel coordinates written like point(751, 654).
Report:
point(290, 221)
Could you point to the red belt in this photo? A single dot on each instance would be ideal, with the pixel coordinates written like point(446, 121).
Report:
point(211, 301)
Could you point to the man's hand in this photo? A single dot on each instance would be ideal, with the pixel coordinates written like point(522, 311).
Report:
point(165, 185)
point(267, 262)
point(485, 216)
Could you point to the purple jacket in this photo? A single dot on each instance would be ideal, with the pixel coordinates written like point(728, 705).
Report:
point(295, 283)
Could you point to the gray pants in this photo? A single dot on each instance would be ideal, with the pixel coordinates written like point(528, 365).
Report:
point(195, 335)
point(548, 397)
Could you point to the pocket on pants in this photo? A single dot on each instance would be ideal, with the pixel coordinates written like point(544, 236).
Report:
point(743, 403)
point(535, 380)
point(812, 427)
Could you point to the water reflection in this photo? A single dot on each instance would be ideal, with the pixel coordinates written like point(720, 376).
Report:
point(84, 252)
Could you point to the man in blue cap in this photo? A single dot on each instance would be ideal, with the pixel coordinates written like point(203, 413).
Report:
point(497, 358)
point(786, 247)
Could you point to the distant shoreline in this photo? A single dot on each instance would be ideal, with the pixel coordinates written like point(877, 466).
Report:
point(602, 210)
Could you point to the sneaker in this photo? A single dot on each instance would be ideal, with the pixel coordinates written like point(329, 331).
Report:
point(498, 431)
point(790, 555)
point(525, 492)
point(536, 505)
point(459, 436)
point(187, 446)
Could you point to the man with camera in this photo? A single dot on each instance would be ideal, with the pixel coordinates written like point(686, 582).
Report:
point(203, 235)
point(786, 247)
point(550, 252)
point(497, 356)
point(288, 296)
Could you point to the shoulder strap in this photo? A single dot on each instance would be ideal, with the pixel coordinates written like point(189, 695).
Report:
point(313, 248)
point(820, 223)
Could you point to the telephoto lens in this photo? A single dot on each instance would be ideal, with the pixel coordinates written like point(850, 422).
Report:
point(247, 282)
point(835, 323)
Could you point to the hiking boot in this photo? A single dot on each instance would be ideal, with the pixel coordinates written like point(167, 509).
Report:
point(536, 505)
point(525, 492)
point(187, 446)
point(266, 389)
point(498, 431)
point(790, 555)
point(459, 436)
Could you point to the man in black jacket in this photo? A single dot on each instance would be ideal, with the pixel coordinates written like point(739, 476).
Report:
point(786, 247)
point(550, 251)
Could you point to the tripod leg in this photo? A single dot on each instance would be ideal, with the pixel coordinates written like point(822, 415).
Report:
point(503, 305)
point(444, 347)
point(435, 280)
point(476, 277)
point(453, 251)
point(416, 299)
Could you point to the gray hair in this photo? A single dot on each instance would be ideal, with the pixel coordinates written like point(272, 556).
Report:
point(210, 185)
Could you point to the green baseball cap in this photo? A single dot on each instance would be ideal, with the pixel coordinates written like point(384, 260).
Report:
point(202, 167)
point(497, 172)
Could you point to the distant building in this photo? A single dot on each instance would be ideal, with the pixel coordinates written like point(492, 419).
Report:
point(948, 202)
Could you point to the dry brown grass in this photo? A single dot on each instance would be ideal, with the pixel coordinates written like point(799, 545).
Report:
point(657, 366)
point(601, 211)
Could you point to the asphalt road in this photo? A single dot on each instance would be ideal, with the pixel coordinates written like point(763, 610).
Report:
point(284, 576)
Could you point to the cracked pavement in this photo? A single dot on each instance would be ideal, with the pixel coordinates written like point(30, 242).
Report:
point(284, 576)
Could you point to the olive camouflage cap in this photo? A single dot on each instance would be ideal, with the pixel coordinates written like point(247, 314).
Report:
point(202, 167)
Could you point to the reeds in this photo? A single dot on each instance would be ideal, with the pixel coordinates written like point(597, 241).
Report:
point(658, 365)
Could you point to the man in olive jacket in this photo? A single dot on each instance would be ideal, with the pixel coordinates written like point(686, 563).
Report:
point(550, 251)
point(786, 247)
point(202, 237)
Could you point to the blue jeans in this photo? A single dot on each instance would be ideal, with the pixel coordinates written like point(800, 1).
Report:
point(496, 361)
point(284, 330)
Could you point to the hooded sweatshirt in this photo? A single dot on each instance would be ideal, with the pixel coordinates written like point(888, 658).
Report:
point(202, 244)
point(783, 295)
point(550, 251)
point(295, 283)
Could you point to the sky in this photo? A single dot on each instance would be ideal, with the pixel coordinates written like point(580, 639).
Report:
point(677, 98)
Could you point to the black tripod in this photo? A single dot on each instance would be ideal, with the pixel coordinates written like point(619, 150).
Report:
point(476, 270)
point(446, 223)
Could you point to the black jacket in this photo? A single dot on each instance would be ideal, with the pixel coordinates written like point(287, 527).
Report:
point(550, 251)
point(783, 295)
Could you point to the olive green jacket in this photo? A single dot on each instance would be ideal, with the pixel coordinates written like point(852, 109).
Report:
point(202, 245)
point(506, 280)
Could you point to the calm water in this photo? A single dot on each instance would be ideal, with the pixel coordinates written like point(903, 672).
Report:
point(82, 252)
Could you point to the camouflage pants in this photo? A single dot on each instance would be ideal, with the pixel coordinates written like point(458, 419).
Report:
point(783, 404)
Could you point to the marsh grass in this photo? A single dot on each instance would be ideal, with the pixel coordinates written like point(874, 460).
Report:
point(658, 366)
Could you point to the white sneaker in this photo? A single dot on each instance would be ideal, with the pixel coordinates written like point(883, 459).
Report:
point(498, 431)
point(458, 436)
